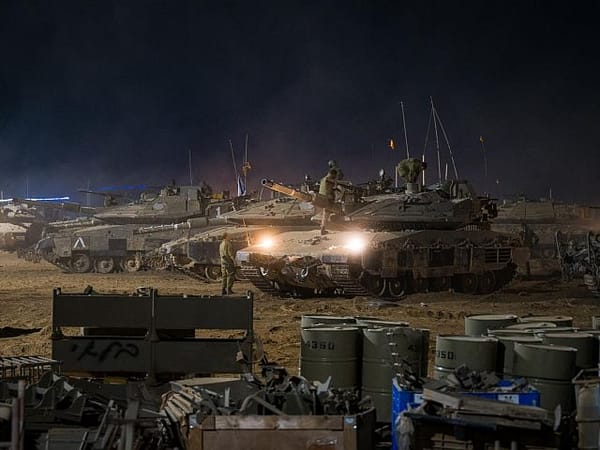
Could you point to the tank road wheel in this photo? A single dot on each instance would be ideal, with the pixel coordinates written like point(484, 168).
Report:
point(131, 264)
point(105, 265)
point(467, 283)
point(374, 284)
point(397, 287)
point(487, 282)
point(441, 283)
point(213, 273)
point(81, 263)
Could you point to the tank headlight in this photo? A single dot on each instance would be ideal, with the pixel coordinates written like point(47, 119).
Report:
point(356, 244)
point(265, 242)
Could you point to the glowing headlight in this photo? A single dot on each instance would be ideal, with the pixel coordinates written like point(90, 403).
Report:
point(265, 242)
point(356, 244)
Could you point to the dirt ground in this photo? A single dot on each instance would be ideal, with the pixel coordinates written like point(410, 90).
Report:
point(26, 294)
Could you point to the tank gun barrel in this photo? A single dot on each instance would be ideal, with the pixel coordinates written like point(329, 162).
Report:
point(66, 206)
point(316, 199)
point(75, 223)
point(187, 225)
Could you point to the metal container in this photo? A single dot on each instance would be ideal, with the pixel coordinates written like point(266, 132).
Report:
point(480, 324)
point(478, 353)
point(550, 362)
point(314, 320)
point(587, 395)
point(588, 416)
point(380, 323)
point(586, 345)
point(553, 393)
point(507, 332)
point(559, 321)
point(596, 322)
point(331, 351)
point(531, 326)
point(506, 350)
point(382, 347)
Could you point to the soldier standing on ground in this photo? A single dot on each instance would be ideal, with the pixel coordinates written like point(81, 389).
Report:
point(327, 189)
point(227, 265)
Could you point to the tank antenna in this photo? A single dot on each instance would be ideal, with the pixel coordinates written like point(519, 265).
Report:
point(404, 126)
point(190, 165)
point(437, 116)
point(437, 141)
point(235, 172)
point(485, 163)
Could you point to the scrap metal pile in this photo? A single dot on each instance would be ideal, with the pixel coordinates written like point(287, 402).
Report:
point(190, 402)
point(580, 255)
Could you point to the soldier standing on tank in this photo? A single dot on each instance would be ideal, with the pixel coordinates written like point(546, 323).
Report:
point(332, 164)
point(327, 187)
point(227, 265)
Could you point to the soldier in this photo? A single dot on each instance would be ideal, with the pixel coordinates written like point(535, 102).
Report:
point(227, 265)
point(327, 189)
point(333, 166)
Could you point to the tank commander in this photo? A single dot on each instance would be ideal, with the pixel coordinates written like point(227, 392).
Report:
point(227, 265)
point(327, 187)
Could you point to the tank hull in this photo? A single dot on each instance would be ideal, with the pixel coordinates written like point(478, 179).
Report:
point(384, 264)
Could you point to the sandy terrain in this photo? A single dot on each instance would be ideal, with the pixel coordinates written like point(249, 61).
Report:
point(26, 293)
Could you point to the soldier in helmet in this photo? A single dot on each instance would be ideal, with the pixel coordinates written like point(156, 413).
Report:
point(333, 165)
point(327, 187)
point(227, 265)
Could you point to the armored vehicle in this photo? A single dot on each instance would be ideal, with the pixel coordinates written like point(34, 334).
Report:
point(117, 237)
point(387, 245)
point(255, 222)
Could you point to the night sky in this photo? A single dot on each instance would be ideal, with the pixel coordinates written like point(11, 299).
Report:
point(117, 92)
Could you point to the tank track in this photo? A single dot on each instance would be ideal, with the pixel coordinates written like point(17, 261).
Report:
point(253, 275)
point(189, 273)
point(340, 274)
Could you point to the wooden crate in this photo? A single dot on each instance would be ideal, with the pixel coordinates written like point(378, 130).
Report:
point(354, 432)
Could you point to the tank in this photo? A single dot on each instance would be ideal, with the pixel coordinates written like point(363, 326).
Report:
point(257, 222)
point(118, 237)
point(560, 321)
point(386, 245)
point(586, 345)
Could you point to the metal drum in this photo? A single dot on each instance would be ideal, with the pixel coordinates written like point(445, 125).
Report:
point(549, 368)
point(507, 332)
point(553, 393)
point(586, 345)
point(380, 323)
point(478, 353)
point(506, 350)
point(331, 351)
point(559, 321)
point(382, 347)
point(588, 411)
point(314, 320)
point(480, 324)
point(531, 326)
point(596, 322)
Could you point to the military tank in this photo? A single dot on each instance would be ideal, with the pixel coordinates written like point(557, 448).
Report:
point(388, 245)
point(254, 222)
point(115, 238)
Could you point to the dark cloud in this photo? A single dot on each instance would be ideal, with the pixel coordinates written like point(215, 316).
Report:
point(117, 92)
